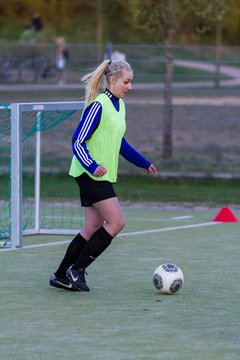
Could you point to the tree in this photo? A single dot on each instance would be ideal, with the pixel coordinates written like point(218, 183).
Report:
point(213, 13)
point(165, 19)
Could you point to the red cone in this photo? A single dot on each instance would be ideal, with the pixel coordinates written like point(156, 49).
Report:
point(225, 215)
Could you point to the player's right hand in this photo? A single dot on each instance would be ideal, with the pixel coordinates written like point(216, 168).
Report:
point(100, 171)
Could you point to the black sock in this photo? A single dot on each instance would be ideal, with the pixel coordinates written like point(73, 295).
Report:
point(73, 251)
point(98, 242)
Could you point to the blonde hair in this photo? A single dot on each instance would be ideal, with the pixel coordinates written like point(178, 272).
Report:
point(94, 80)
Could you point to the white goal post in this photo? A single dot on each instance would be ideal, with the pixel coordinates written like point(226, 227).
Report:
point(17, 111)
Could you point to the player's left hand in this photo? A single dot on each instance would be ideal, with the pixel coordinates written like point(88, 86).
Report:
point(151, 170)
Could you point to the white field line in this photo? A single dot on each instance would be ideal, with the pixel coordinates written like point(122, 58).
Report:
point(169, 229)
point(60, 217)
point(182, 217)
point(77, 218)
point(185, 217)
point(121, 235)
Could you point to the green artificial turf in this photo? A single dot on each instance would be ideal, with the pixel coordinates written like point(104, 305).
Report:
point(123, 316)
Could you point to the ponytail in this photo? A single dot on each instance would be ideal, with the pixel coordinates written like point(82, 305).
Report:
point(94, 80)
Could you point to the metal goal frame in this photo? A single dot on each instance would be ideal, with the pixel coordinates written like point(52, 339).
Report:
point(17, 110)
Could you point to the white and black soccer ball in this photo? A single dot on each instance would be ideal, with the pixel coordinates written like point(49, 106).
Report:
point(168, 278)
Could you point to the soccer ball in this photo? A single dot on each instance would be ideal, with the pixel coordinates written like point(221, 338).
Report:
point(168, 278)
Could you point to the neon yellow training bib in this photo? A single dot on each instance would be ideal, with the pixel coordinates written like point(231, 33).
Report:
point(104, 145)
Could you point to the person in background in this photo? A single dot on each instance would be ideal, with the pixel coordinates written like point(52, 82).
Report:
point(27, 35)
point(36, 23)
point(96, 144)
point(117, 55)
point(32, 31)
point(61, 58)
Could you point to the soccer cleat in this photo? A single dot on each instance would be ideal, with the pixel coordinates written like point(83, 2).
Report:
point(77, 278)
point(63, 283)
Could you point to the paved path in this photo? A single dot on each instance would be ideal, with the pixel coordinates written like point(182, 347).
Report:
point(221, 100)
point(230, 71)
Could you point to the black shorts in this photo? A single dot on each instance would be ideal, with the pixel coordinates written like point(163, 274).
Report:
point(92, 191)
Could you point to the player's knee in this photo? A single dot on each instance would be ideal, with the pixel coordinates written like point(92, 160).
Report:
point(115, 225)
point(89, 230)
point(120, 224)
point(96, 226)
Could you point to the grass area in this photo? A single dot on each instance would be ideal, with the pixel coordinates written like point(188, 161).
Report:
point(123, 316)
point(140, 189)
point(180, 74)
point(208, 191)
point(63, 94)
point(203, 142)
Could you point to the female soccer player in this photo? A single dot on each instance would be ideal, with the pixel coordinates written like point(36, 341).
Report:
point(96, 144)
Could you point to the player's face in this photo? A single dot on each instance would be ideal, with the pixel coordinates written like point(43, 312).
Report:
point(120, 86)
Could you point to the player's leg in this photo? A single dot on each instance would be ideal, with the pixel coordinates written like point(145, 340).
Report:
point(93, 221)
point(59, 279)
point(109, 210)
point(71, 255)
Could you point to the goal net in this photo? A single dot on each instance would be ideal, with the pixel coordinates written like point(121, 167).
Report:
point(37, 195)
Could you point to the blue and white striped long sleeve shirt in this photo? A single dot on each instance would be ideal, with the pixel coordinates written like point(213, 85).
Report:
point(86, 127)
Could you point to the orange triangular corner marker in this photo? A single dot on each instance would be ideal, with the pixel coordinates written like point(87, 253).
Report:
point(225, 215)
